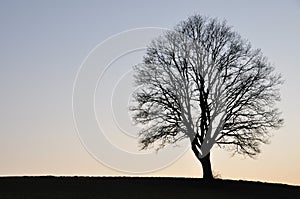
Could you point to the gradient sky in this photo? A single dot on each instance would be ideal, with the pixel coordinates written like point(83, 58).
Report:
point(43, 43)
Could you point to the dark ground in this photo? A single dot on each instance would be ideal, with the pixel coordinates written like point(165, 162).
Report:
point(136, 187)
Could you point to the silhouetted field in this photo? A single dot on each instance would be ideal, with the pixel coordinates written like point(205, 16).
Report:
point(135, 187)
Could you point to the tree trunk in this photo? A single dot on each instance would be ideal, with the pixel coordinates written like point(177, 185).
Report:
point(205, 162)
point(206, 167)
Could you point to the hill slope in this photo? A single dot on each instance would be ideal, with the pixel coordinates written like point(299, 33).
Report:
point(135, 187)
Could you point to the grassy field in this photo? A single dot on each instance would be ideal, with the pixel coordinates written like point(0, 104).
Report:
point(136, 187)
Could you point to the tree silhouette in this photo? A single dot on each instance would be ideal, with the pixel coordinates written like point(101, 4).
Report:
point(203, 82)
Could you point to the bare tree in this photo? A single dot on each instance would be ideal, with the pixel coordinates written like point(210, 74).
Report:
point(203, 82)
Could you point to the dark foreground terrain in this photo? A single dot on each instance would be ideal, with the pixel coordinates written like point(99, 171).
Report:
point(134, 187)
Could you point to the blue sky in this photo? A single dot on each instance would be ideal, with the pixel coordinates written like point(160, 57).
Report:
point(43, 44)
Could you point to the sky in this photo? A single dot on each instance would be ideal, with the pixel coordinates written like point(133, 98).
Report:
point(44, 44)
